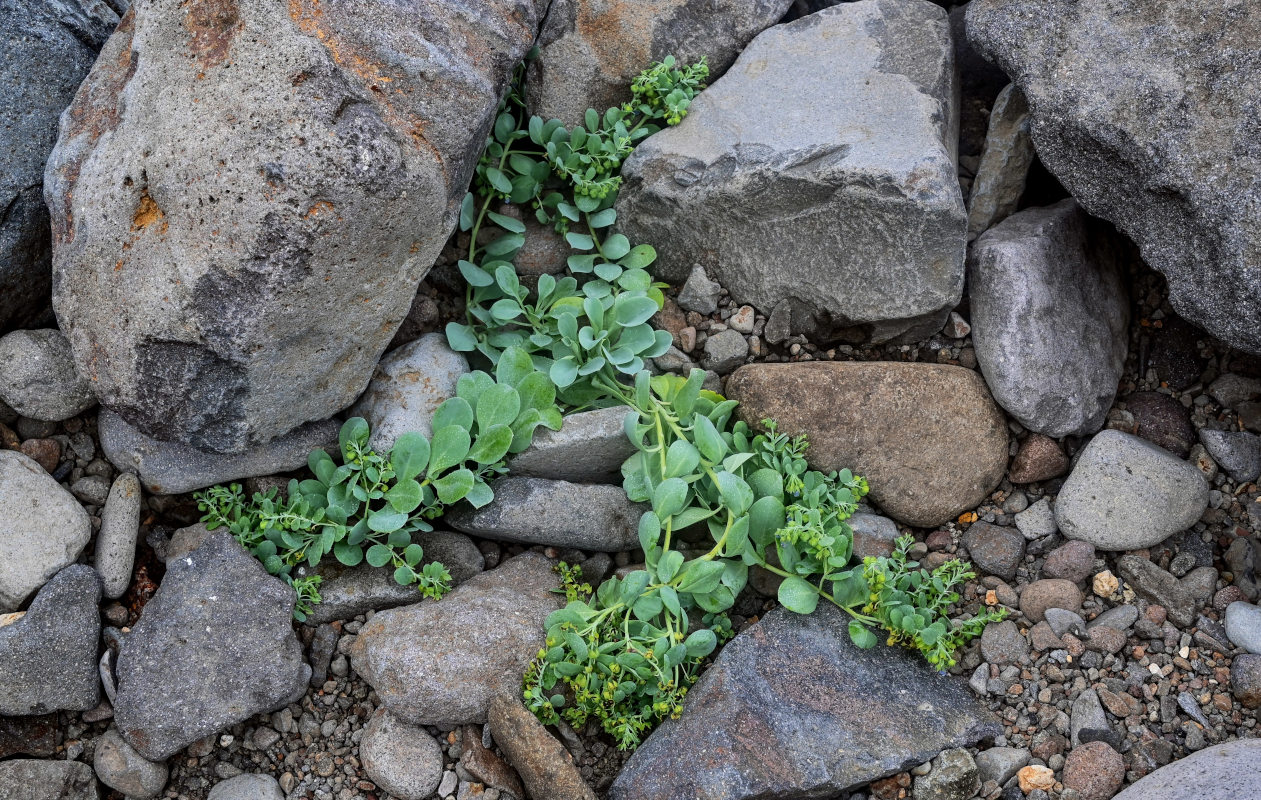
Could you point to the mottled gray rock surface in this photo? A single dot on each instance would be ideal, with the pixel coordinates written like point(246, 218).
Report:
point(120, 767)
point(1148, 115)
point(37, 376)
point(559, 513)
point(213, 647)
point(787, 711)
point(402, 759)
point(589, 448)
point(1243, 626)
point(172, 468)
point(30, 779)
point(1231, 769)
point(242, 213)
point(42, 528)
point(1237, 452)
point(116, 541)
point(1182, 597)
point(1005, 162)
point(247, 787)
point(1125, 493)
point(48, 657)
point(47, 48)
point(407, 387)
point(590, 50)
point(1049, 317)
point(818, 172)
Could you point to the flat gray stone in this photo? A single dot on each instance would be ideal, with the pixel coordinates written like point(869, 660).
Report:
point(558, 513)
point(441, 662)
point(402, 759)
point(724, 351)
point(247, 787)
point(589, 448)
point(1243, 626)
point(38, 378)
point(31, 779)
point(42, 528)
point(1121, 618)
point(1126, 493)
point(120, 767)
point(1228, 770)
point(171, 468)
point(1087, 715)
point(1005, 161)
point(1002, 643)
point(874, 535)
point(1181, 597)
point(213, 647)
point(48, 658)
point(1000, 764)
point(819, 171)
point(1037, 520)
point(699, 292)
point(407, 386)
point(1057, 265)
point(1237, 452)
point(116, 541)
point(954, 776)
point(787, 710)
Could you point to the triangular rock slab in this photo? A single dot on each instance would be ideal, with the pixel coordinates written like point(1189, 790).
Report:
point(793, 710)
point(214, 647)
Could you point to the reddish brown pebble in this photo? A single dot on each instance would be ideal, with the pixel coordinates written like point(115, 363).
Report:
point(1043, 638)
point(1156, 614)
point(1105, 639)
point(939, 540)
point(1040, 595)
point(1073, 561)
point(1094, 770)
point(1038, 459)
point(1228, 595)
point(46, 452)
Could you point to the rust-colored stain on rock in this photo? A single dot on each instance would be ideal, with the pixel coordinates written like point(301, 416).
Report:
point(147, 213)
point(212, 26)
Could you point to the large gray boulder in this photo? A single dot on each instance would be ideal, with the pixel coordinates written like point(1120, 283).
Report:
point(791, 709)
point(590, 50)
point(244, 197)
point(214, 647)
point(42, 528)
point(45, 50)
point(1146, 112)
point(1231, 769)
point(818, 173)
point(1049, 317)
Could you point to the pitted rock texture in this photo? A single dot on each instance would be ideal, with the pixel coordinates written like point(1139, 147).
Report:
point(245, 195)
point(819, 173)
point(1147, 113)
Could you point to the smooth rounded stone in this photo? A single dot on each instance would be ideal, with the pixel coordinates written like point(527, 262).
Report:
point(1081, 64)
point(1127, 494)
point(172, 468)
point(545, 766)
point(1037, 520)
point(42, 528)
point(724, 351)
point(1237, 452)
point(1228, 770)
point(1094, 770)
point(1181, 597)
point(878, 79)
point(1233, 390)
point(589, 53)
point(213, 647)
point(1073, 561)
point(954, 777)
point(1005, 161)
point(1242, 558)
point(121, 767)
point(91, 490)
point(558, 513)
point(270, 329)
point(406, 388)
point(1105, 639)
point(1000, 764)
point(1121, 618)
point(1003, 644)
point(927, 437)
point(32, 779)
point(1058, 377)
point(1063, 621)
point(48, 657)
point(45, 452)
point(1163, 421)
point(995, 550)
point(1038, 459)
point(1245, 680)
point(1046, 593)
point(589, 448)
point(795, 684)
point(247, 787)
point(440, 663)
point(116, 541)
point(1243, 626)
point(347, 592)
point(1087, 715)
point(402, 759)
point(874, 535)
point(38, 378)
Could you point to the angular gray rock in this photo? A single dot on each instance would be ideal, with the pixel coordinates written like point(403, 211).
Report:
point(699, 293)
point(440, 663)
point(120, 767)
point(818, 172)
point(1243, 626)
point(48, 658)
point(407, 387)
point(1237, 452)
point(995, 550)
point(1178, 171)
point(31, 779)
point(786, 711)
point(38, 378)
point(1231, 769)
point(1087, 715)
point(590, 50)
point(1005, 161)
point(247, 787)
point(213, 647)
point(874, 535)
point(589, 448)
point(954, 776)
point(48, 48)
point(171, 468)
point(402, 759)
point(558, 513)
point(116, 541)
point(1037, 520)
point(724, 351)
point(346, 592)
point(1002, 643)
point(223, 284)
point(42, 528)
point(1058, 266)
point(1126, 494)
point(1000, 764)
point(1182, 597)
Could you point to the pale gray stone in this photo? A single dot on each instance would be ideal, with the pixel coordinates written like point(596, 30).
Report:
point(1037, 520)
point(699, 293)
point(819, 170)
point(407, 387)
point(1243, 626)
point(38, 378)
point(116, 541)
point(1087, 715)
point(724, 351)
point(31, 779)
point(402, 759)
point(1000, 764)
point(1231, 769)
point(589, 448)
point(1005, 162)
point(1237, 452)
point(954, 776)
point(120, 767)
point(247, 787)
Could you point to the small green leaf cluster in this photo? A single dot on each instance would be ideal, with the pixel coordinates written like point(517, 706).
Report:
point(368, 507)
